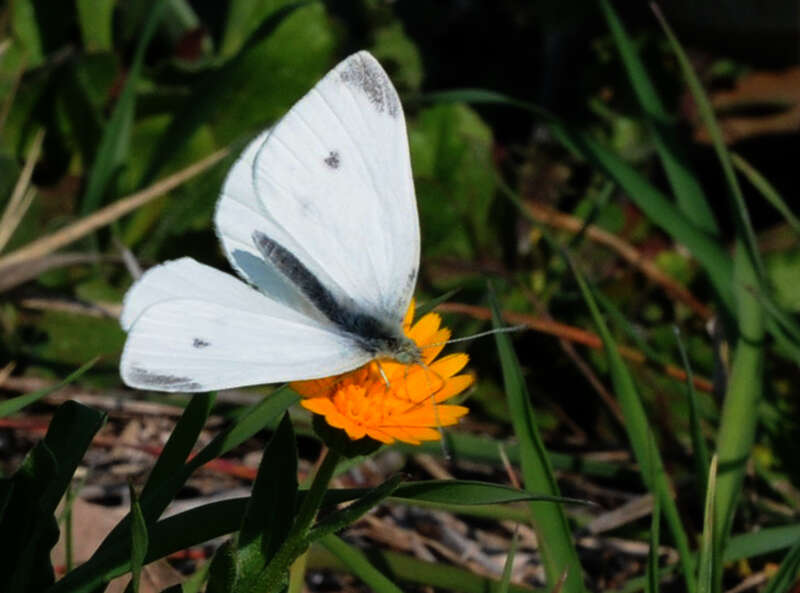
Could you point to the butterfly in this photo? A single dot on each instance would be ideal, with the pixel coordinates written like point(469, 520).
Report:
point(318, 217)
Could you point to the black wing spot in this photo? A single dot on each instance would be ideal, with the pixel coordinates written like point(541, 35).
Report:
point(370, 333)
point(366, 74)
point(333, 160)
point(156, 380)
point(200, 343)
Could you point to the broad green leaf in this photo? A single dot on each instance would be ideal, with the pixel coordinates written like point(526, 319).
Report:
point(73, 339)
point(550, 523)
point(282, 59)
point(38, 487)
point(451, 155)
point(22, 516)
point(15, 404)
point(357, 563)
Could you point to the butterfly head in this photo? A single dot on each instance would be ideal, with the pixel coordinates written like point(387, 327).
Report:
point(400, 349)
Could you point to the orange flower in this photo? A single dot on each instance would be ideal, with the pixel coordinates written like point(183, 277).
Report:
point(409, 408)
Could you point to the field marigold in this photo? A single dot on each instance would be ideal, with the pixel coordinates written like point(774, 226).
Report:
point(410, 408)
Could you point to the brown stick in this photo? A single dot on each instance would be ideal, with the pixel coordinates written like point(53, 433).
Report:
point(571, 333)
point(624, 249)
point(110, 213)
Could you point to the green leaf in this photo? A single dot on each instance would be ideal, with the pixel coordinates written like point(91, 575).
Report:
point(39, 485)
point(95, 19)
point(708, 557)
point(113, 149)
point(181, 442)
point(470, 492)
point(505, 581)
point(550, 523)
point(763, 541)
point(651, 585)
point(638, 429)
point(111, 558)
point(15, 404)
point(451, 153)
point(357, 563)
point(655, 205)
point(223, 572)
point(280, 61)
point(342, 518)
point(685, 185)
point(739, 420)
point(139, 540)
point(431, 304)
point(271, 510)
point(399, 567)
point(766, 189)
point(706, 113)
point(699, 448)
point(786, 577)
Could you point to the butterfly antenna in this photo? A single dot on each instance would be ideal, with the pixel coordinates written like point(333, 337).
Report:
point(490, 332)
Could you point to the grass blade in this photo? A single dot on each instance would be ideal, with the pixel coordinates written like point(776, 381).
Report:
point(551, 526)
point(708, 557)
point(400, 567)
point(639, 432)
point(766, 189)
point(15, 404)
point(271, 509)
point(139, 542)
point(786, 577)
point(508, 567)
point(655, 205)
point(181, 441)
point(699, 448)
point(652, 572)
point(685, 186)
point(739, 418)
point(706, 111)
point(356, 562)
point(113, 148)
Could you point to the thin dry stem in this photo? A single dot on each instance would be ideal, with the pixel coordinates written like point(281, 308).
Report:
point(571, 333)
point(107, 215)
point(22, 196)
point(628, 252)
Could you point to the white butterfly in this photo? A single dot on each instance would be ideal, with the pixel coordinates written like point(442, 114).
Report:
point(319, 217)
